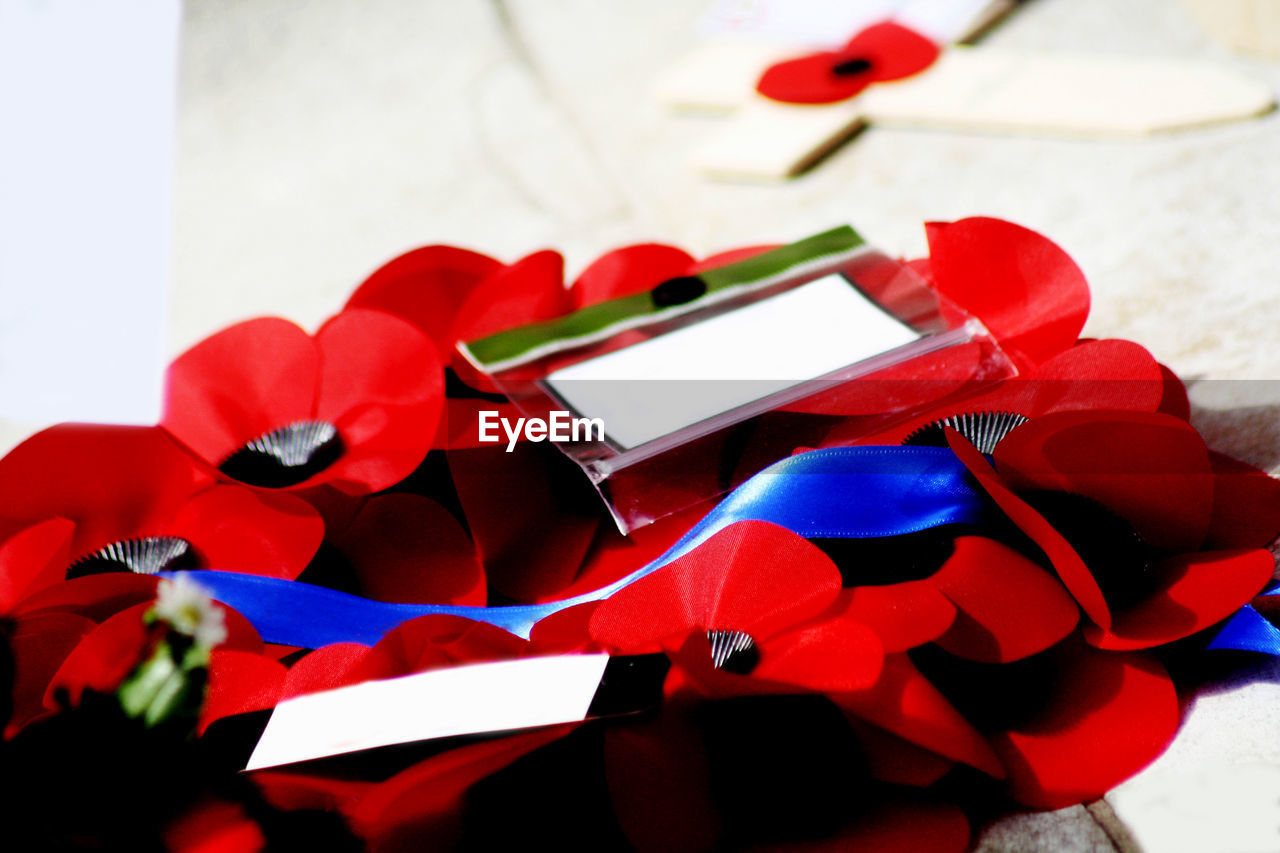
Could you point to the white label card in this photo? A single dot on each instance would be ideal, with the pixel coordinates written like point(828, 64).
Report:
point(681, 378)
point(458, 700)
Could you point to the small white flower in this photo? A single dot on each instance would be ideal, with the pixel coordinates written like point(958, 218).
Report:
point(188, 609)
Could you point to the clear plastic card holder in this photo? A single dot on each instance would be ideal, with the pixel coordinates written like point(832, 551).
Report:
point(674, 396)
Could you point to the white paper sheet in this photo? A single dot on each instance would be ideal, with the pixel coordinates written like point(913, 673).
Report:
point(678, 379)
point(459, 700)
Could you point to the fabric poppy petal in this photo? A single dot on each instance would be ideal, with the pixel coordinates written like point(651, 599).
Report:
point(1196, 590)
point(751, 576)
point(532, 519)
point(613, 556)
point(1246, 505)
point(1150, 468)
point(421, 808)
point(566, 630)
point(238, 529)
point(1009, 608)
point(39, 643)
point(95, 597)
point(888, 50)
point(240, 383)
point(660, 783)
point(383, 388)
point(831, 655)
point(1071, 570)
point(42, 549)
point(239, 682)
point(102, 658)
point(409, 549)
point(1026, 290)
point(434, 641)
point(527, 291)
point(891, 759)
point(629, 270)
point(903, 615)
point(904, 826)
point(114, 482)
point(904, 703)
point(426, 287)
point(325, 668)
point(1111, 714)
point(1175, 401)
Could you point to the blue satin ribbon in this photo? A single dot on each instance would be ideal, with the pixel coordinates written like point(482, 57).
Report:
point(845, 492)
point(1248, 630)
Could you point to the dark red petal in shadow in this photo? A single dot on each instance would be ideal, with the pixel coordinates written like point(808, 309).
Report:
point(1010, 608)
point(240, 383)
point(407, 548)
point(1110, 715)
point(1246, 505)
point(1150, 468)
point(613, 556)
point(421, 808)
point(894, 760)
point(1066, 562)
point(751, 576)
point(631, 269)
point(1196, 591)
point(39, 643)
point(426, 287)
point(113, 482)
point(240, 682)
point(325, 668)
point(904, 703)
point(660, 783)
point(1024, 288)
point(903, 615)
point(237, 529)
point(34, 558)
point(528, 514)
point(894, 827)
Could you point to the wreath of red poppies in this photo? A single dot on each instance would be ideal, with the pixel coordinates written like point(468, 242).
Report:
point(879, 694)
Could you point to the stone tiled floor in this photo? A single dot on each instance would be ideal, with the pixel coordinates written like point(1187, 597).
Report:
point(318, 140)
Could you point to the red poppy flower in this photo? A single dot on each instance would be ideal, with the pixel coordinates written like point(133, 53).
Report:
point(1069, 723)
point(409, 549)
point(741, 614)
point(1121, 503)
point(129, 499)
point(353, 407)
point(881, 52)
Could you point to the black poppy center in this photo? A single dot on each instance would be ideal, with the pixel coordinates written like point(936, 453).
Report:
point(733, 651)
point(984, 430)
point(678, 291)
point(145, 555)
point(285, 456)
point(1117, 556)
point(850, 67)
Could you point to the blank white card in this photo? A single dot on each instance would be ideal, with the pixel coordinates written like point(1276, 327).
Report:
point(684, 377)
